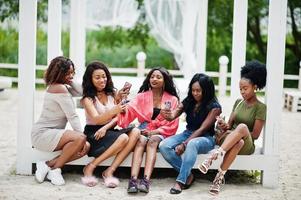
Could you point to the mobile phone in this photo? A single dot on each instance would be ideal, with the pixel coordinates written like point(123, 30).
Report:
point(127, 85)
point(124, 101)
point(167, 105)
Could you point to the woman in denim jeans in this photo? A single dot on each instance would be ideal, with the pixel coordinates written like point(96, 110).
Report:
point(181, 150)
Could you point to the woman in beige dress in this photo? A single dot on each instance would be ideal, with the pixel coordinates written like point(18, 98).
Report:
point(48, 133)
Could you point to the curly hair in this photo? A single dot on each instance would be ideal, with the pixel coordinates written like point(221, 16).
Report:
point(89, 90)
point(58, 70)
point(256, 72)
point(208, 91)
point(169, 85)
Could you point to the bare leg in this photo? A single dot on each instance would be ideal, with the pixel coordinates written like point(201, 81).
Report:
point(76, 156)
point(151, 155)
point(231, 155)
point(235, 136)
point(133, 137)
point(137, 156)
point(70, 144)
point(117, 146)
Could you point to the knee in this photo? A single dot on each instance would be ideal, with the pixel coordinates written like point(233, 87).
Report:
point(135, 134)
point(81, 139)
point(242, 129)
point(124, 138)
point(152, 143)
point(141, 142)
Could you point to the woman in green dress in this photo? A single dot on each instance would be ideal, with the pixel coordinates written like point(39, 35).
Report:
point(244, 126)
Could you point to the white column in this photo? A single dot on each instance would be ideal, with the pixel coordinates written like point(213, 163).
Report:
point(54, 29)
point(140, 57)
point(78, 36)
point(239, 37)
point(222, 79)
point(26, 82)
point(274, 89)
point(202, 29)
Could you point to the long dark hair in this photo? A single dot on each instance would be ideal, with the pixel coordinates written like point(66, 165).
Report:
point(208, 91)
point(169, 85)
point(57, 70)
point(89, 90)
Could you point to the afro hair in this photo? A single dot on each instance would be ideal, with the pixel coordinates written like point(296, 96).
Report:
point(256, 72)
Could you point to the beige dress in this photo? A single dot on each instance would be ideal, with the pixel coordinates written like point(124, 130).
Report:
point(58, 109)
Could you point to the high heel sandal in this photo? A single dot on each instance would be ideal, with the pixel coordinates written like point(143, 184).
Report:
point(219, 180)
point(205, 165)
point(89, 181)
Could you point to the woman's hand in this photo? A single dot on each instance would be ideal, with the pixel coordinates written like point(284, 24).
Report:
point(180, 149)
point(123, 93)
point(100, 133)
point(221, 123)
point(119, 108)
point(167, 114)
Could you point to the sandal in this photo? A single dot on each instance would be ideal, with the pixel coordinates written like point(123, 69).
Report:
point(89, 181)
point(186, 185)
point(110, 182)
point(219, 180)
point(173, 190)
point(205, 165)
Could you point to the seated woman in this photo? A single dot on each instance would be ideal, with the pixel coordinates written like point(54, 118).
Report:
point(244, 126)
point(157, 88)
point(48, 133)
point(100, 103)
point(181, 150)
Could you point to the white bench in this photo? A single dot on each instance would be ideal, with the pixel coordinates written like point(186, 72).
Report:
point(256, 161)
point(268, 164)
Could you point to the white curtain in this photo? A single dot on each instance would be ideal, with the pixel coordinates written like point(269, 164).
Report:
point(175, 25)
point(124, 13)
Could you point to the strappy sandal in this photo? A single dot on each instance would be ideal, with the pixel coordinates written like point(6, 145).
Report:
point(219, 180)
point(89, 181)
point(205, 165)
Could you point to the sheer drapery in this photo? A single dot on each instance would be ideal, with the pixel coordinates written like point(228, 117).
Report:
point(124, 13)
point(175, 25)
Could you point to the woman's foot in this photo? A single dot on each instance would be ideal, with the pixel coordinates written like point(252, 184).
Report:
point(189, 182)
point(89, 179)
point(144, 185)
point(109, 180)
point(133, 186)
point(205, 165)
point(218, 181)
point(176, 189)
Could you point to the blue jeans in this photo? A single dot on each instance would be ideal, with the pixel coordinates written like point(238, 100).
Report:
point(184, 163)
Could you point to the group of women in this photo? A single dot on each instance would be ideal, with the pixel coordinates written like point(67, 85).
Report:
point(157, 108)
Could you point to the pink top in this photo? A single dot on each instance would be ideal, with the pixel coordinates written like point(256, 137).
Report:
point(101, 108)
point(141, 107)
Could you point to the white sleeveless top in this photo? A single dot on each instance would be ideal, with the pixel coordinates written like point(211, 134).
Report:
point(101, 109)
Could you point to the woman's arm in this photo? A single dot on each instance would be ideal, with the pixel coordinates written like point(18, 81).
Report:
point(258, 125)
point(103, 118)
point(75, 89)
point(207, 123)
point(170, 115)
point(103, 130)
